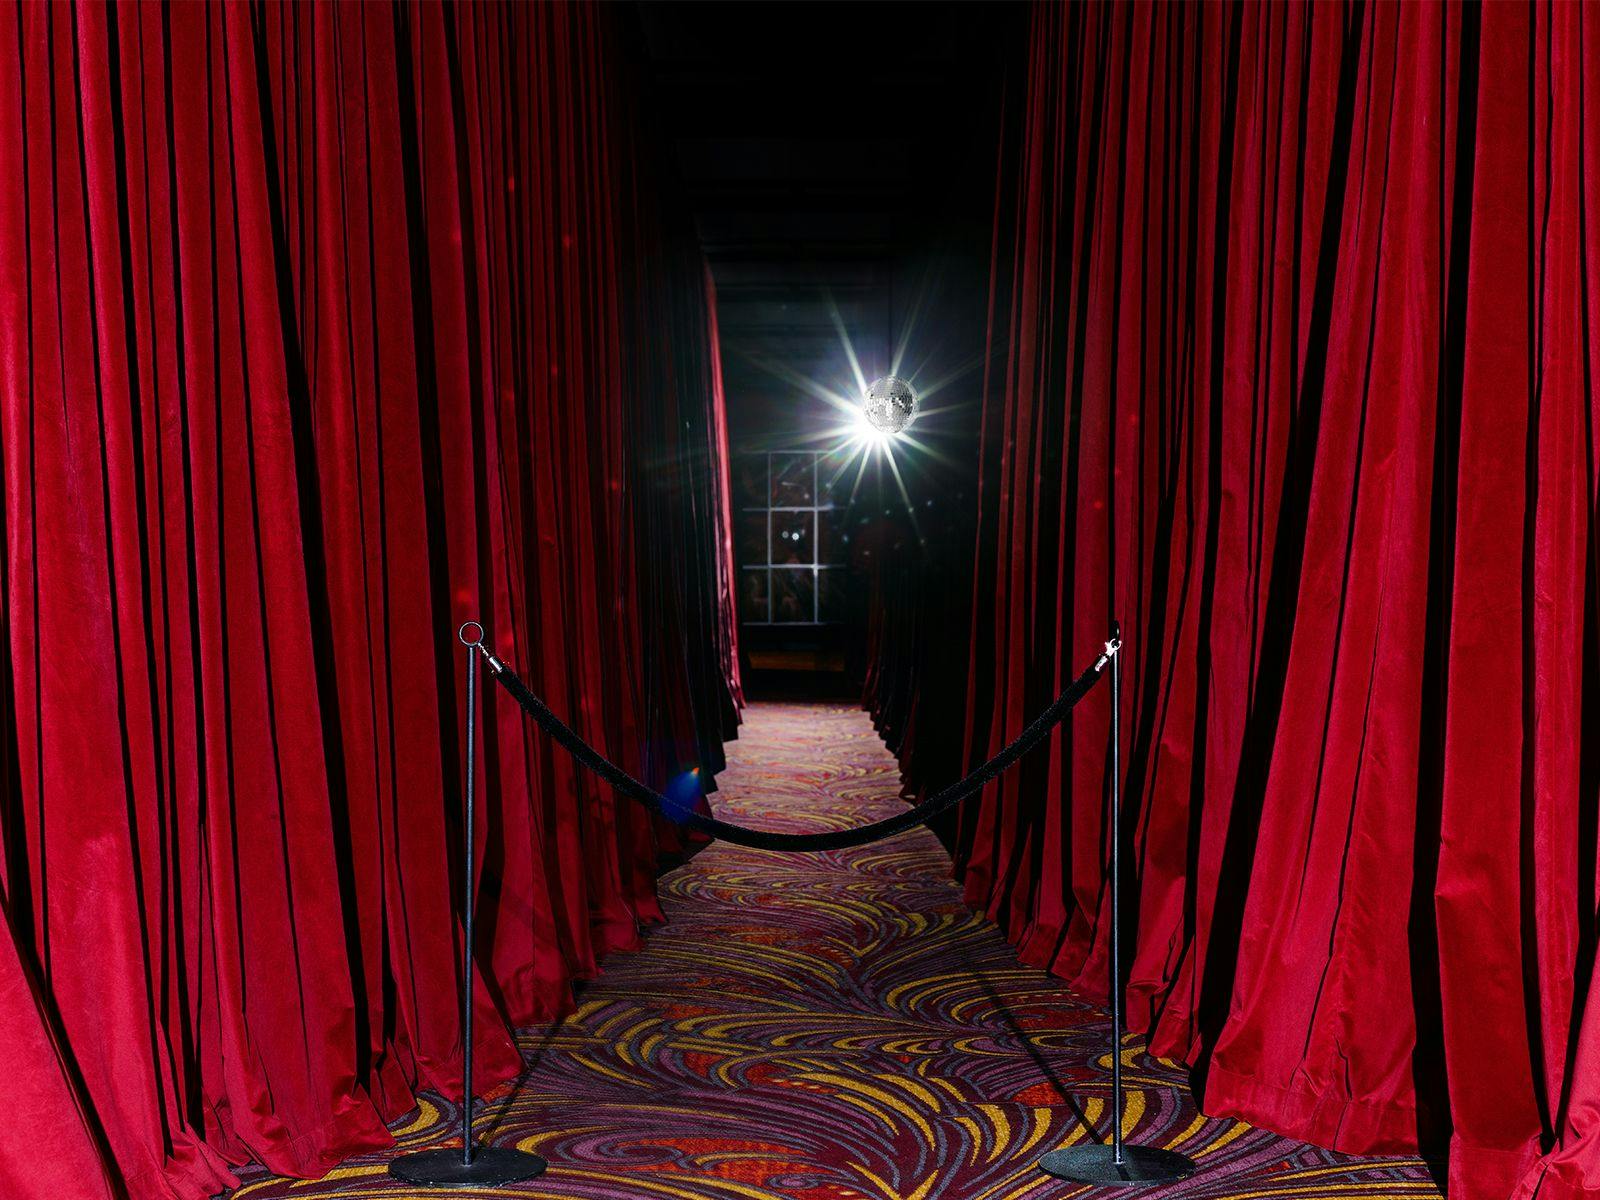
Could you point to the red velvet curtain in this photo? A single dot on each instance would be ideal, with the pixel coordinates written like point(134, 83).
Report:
point(322, 329)
point(1291, 369)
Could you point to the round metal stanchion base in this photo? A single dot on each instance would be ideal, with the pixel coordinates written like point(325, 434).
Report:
point(1141, 1166)
point(490, 1166)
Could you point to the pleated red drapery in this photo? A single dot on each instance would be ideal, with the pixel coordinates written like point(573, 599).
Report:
point(320, 332)
point(1291, 363)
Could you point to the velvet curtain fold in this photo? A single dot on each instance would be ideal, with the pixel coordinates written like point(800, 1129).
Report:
point(322, 329)
point(1291, 368)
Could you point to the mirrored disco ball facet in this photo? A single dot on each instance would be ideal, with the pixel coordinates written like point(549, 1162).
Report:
point(890, 404)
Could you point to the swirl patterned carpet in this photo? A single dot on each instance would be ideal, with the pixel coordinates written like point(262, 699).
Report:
point(835, 1027)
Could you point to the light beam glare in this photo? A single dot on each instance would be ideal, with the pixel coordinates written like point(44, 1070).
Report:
point(926, 287)
point(888, 452)
point(865, 431)
point(849, 349)
point(866, 453)
point(910, 329)
point(923, 448)
point(856, 439)
point(805, 383)
point(949, 377)
point(849, 454)
point(836, 434)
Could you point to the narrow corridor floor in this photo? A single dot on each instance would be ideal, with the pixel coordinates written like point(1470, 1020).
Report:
point(836, 1026)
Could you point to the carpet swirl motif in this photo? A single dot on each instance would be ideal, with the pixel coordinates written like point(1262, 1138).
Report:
point(835, 1026)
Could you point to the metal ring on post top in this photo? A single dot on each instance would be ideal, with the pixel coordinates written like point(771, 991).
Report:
point(489, 660)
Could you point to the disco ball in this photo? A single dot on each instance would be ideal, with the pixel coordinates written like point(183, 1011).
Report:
point(890, 404)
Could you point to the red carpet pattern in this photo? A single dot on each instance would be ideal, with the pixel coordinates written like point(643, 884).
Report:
point(836, 1027)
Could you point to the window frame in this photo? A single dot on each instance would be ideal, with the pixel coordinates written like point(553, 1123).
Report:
point(816, 508)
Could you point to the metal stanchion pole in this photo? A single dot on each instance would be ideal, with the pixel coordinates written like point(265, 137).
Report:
point(473, 1165)
point(1116, 1165)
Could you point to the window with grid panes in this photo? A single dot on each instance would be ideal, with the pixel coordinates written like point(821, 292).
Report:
point(791, 539)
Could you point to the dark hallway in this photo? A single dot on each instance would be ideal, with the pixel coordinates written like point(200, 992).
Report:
point(835, 164)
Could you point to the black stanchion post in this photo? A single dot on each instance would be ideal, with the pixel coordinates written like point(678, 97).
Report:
point(474, 1165)
point(1116, 1165)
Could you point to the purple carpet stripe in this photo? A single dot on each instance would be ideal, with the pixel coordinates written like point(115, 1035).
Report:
point(837, 1026)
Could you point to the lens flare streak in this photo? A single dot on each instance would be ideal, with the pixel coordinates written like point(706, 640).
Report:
point(854, 440)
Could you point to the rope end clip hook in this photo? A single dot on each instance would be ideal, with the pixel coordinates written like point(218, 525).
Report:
point(474, 641)
point(1106, 655)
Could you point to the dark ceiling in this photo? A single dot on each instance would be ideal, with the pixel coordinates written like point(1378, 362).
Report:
point(825, 148)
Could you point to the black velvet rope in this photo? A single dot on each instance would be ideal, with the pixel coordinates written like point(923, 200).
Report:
point(765, 839)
